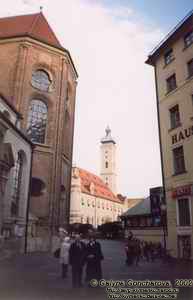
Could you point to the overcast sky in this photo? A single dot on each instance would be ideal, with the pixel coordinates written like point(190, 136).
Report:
point(109, 42)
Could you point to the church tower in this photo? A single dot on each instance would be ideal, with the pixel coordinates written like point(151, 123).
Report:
point(108, 161)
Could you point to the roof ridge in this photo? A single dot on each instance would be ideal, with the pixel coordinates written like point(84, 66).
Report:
point(17, 16)
point(50, 28)
point(34, 22)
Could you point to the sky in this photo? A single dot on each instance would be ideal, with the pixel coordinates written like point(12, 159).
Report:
point(109, 42)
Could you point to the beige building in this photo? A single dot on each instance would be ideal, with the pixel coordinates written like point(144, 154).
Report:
point(173, 65)
point(93, 198)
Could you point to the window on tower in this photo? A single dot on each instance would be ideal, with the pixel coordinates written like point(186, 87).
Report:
point(106, 164)
point(37, 121)
point(41, 80)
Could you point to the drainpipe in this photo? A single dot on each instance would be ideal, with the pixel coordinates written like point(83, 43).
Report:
point(28, 203)
point(161, 156)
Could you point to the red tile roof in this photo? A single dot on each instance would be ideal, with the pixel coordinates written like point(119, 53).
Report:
point(34, 25)
point(100, 188)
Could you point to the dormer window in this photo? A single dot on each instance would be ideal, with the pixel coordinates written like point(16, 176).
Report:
point(41, 80)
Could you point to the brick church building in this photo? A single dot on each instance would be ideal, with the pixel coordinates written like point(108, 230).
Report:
point(39, 79)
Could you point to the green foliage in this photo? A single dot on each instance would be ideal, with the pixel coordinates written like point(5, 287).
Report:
point(80, 228)
point(111, 229)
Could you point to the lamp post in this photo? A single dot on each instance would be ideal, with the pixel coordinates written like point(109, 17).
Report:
point(163, 221)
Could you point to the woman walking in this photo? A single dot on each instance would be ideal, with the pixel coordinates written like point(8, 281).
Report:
point(64, 255)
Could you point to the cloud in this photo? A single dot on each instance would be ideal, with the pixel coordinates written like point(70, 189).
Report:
point(109, 45)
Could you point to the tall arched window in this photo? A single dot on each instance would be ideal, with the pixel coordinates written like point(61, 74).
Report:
point(37, 121)
point(41, 80)
point(17, 178)
point(106, 164)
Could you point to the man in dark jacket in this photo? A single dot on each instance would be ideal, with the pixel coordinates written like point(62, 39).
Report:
point(93, 259)
point(76, 260)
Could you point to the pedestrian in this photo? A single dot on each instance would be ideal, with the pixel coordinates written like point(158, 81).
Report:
point(137, 252)
point(130, 250)
point(76, 260)
point(64, 255)
point(146, 251)
point(62, 233)
point(152, 251)
point(93, 258)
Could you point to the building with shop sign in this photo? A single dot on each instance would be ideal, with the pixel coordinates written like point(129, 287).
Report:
point(144, 218)
point(172, 60)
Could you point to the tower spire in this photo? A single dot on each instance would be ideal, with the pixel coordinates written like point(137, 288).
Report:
point(108, 138)
point(108, 161)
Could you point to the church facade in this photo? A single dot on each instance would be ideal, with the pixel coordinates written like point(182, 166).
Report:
point(15, 167)
point(39, 79)
point(94, 199)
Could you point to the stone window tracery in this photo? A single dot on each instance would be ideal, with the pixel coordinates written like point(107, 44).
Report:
point(41, 80)
point(37, 121)
point(17, 177)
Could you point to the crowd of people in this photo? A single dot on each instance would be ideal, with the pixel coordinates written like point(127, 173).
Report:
point(78, 254)
point(139, 250)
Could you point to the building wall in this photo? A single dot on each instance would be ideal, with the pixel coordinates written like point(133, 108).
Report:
point(183, 97)
point(91, 210)
point(8, 61)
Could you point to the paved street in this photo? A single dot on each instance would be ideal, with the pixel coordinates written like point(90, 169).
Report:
point(37, 276)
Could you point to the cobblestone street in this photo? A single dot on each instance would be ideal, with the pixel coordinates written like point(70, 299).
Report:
point(37, 276)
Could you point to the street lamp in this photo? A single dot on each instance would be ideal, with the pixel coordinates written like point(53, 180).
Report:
point(163, 222)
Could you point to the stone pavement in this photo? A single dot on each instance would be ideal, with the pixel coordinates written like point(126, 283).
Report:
point(37, 276)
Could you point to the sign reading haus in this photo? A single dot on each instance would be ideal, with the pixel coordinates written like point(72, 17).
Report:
point(182, 135)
